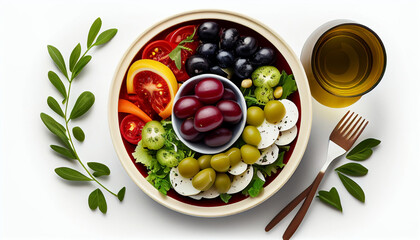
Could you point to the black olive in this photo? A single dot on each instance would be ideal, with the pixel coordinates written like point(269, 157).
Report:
point(246, 46)
point(243, 68)
point(224, 58)
point(219, 71)
point(229, 38)
point(264, 56)
point(208, 32)
point(207, 49)
point(197, 65)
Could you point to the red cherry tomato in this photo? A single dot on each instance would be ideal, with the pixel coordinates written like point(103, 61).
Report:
point(181, 33)
point(180, 74)
point(176, 37)
point(131, 127)
point(158, 50)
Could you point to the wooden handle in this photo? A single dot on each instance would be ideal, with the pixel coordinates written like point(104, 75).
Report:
point(293, 226)
point(286, 210)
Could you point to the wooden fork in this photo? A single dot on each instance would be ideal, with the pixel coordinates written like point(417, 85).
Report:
point(342, 139)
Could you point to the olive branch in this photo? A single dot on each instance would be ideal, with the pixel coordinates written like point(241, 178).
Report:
point(82, 105)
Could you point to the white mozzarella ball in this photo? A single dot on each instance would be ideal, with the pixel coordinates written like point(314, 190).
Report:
point(269, 133)
point(269, 155)
point(181, 184)
point(286, 137)
point(240, 182)
point(291, 117)
point(238, 168)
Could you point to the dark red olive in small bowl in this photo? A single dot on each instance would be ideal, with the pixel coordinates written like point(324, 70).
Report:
point(209, 90)
point(228, 94)
point(213, 119)
point(207, 118)
point(231, 111)
point(218, 137)
point(188, 132)
point(186, 106)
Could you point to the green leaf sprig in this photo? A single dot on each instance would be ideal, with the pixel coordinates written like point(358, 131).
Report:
point(331, 197)
point(83, 103)
point(255, 187)
point(288, 83)
point(352, 187)
point(361, 152)
point(225, 197)
point(352, 169)
point(175, 54)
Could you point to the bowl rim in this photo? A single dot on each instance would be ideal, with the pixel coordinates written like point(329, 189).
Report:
point(240, 101)
point(304, 95)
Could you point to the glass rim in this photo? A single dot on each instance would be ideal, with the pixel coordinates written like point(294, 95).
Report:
point(382, 47)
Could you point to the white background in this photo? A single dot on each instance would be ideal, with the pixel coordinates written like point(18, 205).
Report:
point(36, 204)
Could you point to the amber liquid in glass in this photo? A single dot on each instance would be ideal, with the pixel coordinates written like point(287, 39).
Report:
point(347, 61)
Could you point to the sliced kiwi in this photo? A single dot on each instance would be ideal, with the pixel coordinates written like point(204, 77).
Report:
point(168, 157)
point(264, 94)
point(266, 76)
point(152, 135)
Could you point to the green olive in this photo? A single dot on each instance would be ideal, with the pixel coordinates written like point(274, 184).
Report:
point(188, 167)
point(204, 161)
point(204, 179)
point(250, 154)
point(254, 116)
point(251, 135)
point(274, 111)
point(234, 155)
point(222, 182)
point(220, 162)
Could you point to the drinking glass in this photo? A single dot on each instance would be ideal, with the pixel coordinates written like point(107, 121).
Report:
point(343, 61)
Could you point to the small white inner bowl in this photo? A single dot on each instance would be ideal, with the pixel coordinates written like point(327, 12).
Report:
point(187, 88)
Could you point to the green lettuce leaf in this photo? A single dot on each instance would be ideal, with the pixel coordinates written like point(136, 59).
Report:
point(267, 170)
point(288, 83)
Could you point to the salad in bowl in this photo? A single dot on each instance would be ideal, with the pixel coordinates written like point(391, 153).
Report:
point(212, 118)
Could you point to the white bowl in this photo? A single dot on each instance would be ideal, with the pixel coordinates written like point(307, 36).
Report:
point(303, 101)
point(237, 129)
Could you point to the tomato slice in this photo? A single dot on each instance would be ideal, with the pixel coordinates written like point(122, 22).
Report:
point(131, 127)
point(154, 83)
point(143, 105)
point(182, 33)
point(180, 74)
point(176, 37)
point(153, 88)
point(158, 50)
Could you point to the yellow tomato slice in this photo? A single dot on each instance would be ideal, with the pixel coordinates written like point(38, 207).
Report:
point(149, 77)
